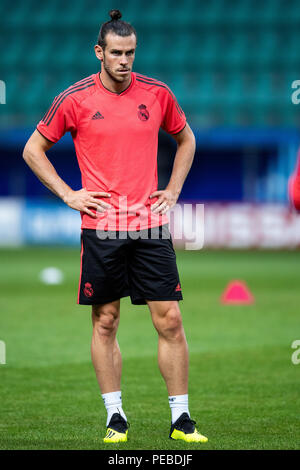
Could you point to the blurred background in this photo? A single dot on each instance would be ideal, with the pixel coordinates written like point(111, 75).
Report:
point(231, 65)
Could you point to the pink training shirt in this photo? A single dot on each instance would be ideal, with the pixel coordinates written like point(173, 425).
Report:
point(116, 138)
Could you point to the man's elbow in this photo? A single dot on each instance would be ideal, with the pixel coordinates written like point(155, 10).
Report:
point(193, 141)
point(189, 142)
point(35, 147)
point(190, 136)
point(26, 153)
point(186, 138)
point(30, 153)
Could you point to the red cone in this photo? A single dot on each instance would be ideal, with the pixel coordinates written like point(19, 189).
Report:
point(237, 293)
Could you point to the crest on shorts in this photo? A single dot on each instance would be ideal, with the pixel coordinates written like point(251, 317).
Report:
point(88, 290)
point(143, 113)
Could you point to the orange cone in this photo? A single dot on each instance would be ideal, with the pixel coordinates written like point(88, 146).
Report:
point(237, 292)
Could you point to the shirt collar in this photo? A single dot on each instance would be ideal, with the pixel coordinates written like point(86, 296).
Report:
point(112, 93)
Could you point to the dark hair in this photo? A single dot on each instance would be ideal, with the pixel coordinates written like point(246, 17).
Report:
point(116, 26)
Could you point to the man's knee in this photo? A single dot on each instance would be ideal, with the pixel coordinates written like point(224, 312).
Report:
point(105, 319)
point(168, 322)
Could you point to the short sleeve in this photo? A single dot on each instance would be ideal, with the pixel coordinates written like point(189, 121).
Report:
point(59, 119)
point(174, 119)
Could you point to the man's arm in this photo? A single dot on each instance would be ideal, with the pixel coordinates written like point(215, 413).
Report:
point(186, 145)
point(34, 155)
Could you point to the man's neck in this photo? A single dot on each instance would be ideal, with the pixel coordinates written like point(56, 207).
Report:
point(111, 85)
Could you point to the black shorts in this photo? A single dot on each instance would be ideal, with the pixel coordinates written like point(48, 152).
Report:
point(142, 268)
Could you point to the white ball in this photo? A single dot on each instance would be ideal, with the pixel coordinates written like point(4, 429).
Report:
point(51, 276)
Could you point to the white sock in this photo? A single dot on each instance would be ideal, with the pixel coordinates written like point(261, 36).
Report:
point(179, 404)
point(113, 404)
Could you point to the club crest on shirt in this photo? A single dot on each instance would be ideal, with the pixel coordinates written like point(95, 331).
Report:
point(143, 113)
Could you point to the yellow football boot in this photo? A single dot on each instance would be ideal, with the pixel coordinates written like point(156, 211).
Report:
point(117, 429)
point(184, 429)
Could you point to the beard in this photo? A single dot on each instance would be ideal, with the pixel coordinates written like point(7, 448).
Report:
point(110, 72)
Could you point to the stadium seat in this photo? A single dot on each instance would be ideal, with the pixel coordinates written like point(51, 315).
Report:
point(194, 45)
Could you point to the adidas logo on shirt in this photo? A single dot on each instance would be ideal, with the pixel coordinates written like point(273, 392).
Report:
point(97, 115)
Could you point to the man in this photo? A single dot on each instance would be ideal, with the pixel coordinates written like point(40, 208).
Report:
point(294, 186)
point(114, 118)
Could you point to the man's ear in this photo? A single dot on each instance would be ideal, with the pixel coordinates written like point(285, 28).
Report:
point(98, 52)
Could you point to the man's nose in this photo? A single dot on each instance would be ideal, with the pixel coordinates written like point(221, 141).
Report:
point(124, 60)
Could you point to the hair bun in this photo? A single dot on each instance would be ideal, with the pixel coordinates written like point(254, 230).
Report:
point(115, 15)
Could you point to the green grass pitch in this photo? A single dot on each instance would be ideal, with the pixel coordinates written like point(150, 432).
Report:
point(243, 389)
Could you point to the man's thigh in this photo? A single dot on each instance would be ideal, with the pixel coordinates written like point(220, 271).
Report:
point(152, 270)
point(161, 308)
point(103, 274)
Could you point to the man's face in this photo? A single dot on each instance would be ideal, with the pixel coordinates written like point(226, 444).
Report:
point(118, 56)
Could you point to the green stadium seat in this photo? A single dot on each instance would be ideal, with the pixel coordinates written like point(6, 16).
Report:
point(290, 13)
point(45, 15)
point(232, 49)
point(18, 13)
point(12, 45)
point(40, 53)
point(267, 12)
point(206, 51)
